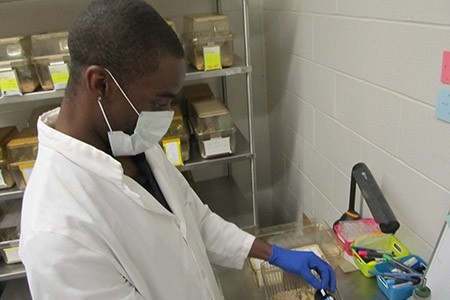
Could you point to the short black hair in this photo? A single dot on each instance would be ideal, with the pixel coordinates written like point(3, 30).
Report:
point(128, 37)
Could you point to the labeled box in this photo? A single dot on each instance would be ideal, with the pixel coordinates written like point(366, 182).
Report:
point(11, 255)
point(50, 56)
point(27, 77)
point(6, 178)
point(17, 74)
point(18, 77)
point(176, 141)
point(23, 147)
point(213, 127)
point(21, 173)
point(208, 40)
point(53, 72)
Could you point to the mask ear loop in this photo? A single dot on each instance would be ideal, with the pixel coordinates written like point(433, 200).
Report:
point(103, 112)
point(121, 90)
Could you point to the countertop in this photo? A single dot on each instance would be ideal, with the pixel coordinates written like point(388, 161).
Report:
point(240, 285)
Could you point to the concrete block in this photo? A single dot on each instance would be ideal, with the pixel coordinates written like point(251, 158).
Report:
point(370, 111)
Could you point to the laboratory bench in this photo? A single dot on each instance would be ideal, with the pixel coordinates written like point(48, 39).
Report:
point(239, 284)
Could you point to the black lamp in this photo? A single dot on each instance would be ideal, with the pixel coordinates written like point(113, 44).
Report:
point(375, 200)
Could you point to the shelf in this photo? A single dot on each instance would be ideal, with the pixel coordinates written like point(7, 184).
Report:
point(36, 96)
point(191, 74)
point(238, 67)
point(13, 271)
point(225, 198)
point(242, 152)
point(12, 193)
point(195, 161)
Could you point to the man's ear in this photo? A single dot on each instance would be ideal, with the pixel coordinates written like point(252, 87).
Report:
point(97, 83)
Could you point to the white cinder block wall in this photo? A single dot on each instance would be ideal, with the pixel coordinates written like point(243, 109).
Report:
point(358, 80)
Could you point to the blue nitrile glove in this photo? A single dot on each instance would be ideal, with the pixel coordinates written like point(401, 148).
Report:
point(301, 263)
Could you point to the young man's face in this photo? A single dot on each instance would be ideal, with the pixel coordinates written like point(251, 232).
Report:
point(153, 92)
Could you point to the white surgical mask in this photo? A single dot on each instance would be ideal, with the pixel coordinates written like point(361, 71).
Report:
point(150, 128)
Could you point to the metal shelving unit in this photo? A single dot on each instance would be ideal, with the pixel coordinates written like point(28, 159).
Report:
point(242, 152)
point(10, 194)
point(226, 195)
point(226, 198)
point(13, 271)
point(191, 74)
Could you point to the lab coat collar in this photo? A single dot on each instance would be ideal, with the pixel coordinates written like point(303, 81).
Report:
point(77, 151)
point(107, 167)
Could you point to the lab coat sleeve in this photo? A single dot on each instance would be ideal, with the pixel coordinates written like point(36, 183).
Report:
point(226, 244)
point(71, 271)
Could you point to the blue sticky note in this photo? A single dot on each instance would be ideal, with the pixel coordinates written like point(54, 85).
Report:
point(443, 106)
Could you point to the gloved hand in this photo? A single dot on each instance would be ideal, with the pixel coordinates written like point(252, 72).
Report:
point(301, 263)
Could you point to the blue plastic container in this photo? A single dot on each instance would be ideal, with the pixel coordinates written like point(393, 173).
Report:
point(399, 291)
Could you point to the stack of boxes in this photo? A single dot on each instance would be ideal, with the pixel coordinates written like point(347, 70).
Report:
point(28, 64)
point(17, 154)
point(17, 74)
point(42, 62)
point(213, 128)
point(209, 123)
point(22, 152)
point(50, 56)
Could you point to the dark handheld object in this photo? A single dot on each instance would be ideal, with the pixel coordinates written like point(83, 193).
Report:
point(322, 295)
point(370, 191)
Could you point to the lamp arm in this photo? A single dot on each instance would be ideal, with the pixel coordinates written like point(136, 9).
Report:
point(377, 203)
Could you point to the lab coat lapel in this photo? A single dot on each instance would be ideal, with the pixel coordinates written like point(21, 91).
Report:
point(142, 197)
point(157, 162)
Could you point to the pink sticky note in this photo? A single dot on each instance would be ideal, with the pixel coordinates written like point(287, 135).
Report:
point(445, 76)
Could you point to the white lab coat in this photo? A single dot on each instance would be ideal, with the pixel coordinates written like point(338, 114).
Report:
point(90, 232)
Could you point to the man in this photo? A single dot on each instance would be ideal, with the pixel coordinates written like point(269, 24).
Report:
point(105, 215)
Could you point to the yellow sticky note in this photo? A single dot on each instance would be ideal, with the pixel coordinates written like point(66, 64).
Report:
point(60, 75)
point(26, 169)
point(8, 82)
point(172, 148)
point(11, 255)
point(211, 56)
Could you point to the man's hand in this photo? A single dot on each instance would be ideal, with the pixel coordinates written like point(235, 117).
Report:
point(302, 263)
